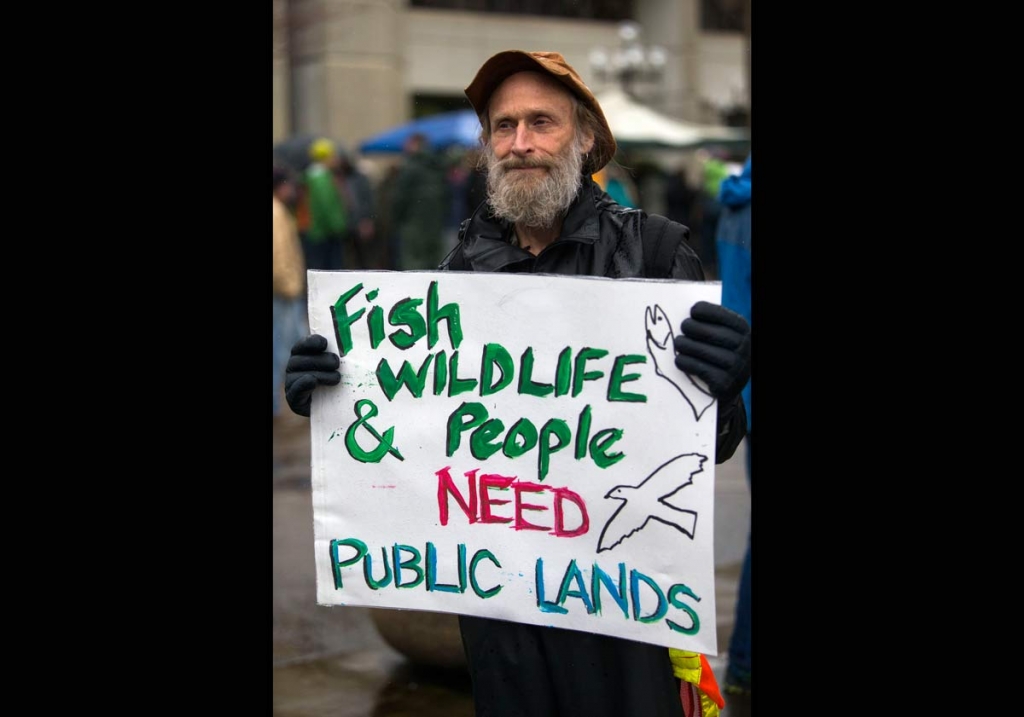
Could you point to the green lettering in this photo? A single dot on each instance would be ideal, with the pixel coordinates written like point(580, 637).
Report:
point(673, 591)
point(342, 320)
point(617, 378)
point(558, 429)
point(375, 322)
point(448, 312)
point(583, 432)
point(440, 372)
point(480, 442)
point(337, 565)
point(600, 444)
point(412, 380)
point(458, 385)
point(526, 383)
point(477, 557)
point(521, 429)
point(405, 313)
point(580, 375)
point(495, 354)
point(432, 583)
point(563, 372)
point(456, 426)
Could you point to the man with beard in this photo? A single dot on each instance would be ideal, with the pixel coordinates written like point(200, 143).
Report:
point(544, 135)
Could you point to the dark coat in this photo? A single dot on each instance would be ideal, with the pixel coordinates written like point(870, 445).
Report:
point(420, 201)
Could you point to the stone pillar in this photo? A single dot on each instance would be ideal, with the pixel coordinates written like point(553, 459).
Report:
point(676, 27)
point(347, 70)
point(282, 71)
point(305, 21)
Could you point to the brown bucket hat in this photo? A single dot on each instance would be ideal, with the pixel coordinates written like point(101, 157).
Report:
point(500, 66)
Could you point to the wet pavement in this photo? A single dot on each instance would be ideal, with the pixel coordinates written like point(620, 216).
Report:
point(335, 662)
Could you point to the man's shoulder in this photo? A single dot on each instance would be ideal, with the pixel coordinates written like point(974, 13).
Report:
point(661, 223)
point(666, 249)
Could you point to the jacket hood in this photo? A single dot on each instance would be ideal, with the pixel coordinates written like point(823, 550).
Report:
point(735, 191)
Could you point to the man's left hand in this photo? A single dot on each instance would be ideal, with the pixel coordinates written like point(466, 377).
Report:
point(715, 347)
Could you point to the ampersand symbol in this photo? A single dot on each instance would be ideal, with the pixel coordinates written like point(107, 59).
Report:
point(385, 443)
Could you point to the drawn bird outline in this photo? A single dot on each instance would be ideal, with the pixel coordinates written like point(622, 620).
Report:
point(646, 502)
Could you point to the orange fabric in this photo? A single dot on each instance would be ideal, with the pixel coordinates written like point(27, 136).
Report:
point(708, 683)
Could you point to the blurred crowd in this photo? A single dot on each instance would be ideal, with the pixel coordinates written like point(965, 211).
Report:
point(406, 216)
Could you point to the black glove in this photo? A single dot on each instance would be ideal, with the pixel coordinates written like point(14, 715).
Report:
point(310, 365)
point(715, 347)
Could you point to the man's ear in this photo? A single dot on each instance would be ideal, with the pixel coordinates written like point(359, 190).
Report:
point(588, 141)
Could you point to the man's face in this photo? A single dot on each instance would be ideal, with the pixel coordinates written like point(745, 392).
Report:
point(531, 116)
point(535, 153)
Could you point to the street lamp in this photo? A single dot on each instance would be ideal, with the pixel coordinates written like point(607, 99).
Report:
point(630, 62)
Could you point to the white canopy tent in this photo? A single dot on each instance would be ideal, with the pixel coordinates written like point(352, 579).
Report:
point(635, 125)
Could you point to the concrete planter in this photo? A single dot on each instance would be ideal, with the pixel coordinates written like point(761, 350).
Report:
point(425, 638)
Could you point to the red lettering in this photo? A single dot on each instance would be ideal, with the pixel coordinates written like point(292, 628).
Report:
point(445, 487)
point(521, 523)
point(566, 494)
point(478, 506)
point(488, 481)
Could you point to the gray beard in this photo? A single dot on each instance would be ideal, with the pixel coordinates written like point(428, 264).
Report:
point(530, 201)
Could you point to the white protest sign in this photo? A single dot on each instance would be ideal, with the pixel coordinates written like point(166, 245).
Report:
point(515, 446)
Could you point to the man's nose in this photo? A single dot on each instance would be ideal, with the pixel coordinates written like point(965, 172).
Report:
point(522, 143)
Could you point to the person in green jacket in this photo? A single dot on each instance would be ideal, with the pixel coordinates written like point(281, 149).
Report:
point(328, 217)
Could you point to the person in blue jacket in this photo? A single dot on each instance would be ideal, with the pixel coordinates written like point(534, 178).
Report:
point(732, 243)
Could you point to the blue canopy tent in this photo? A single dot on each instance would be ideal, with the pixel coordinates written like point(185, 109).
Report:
point(449, 129)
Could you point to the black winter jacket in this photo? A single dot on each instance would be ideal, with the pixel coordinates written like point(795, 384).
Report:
point(598, 238)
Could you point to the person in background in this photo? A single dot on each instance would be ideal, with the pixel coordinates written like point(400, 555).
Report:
point(733, 247)
point(385, 223)
point(419, 206)
point(545, 136)
point(289, 280)
point(360, 233)
point(617, 184)
point(679, 197)
point(328, 218)
point(456, 176)
point(714, 170)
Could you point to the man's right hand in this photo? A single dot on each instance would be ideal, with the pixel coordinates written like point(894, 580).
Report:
point(310, 365)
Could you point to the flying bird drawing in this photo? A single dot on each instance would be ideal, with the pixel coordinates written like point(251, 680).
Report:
point(661, 347)
point(646, 502)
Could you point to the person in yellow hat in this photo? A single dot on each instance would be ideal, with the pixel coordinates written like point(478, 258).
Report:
point(544, 137)
point(328, 217)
